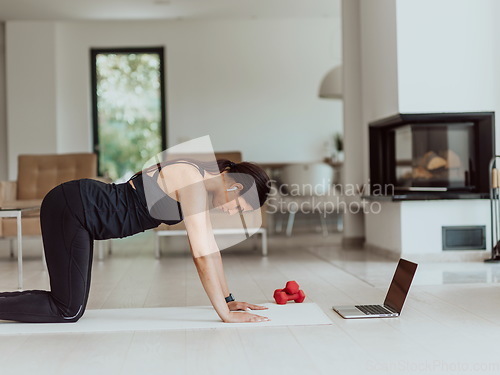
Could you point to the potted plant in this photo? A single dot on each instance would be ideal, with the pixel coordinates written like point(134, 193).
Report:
point(338, 142)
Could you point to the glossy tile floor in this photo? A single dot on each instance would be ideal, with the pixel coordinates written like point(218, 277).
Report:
point(450, 323)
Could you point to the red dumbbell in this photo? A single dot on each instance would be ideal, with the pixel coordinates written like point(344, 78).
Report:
point(290, 292)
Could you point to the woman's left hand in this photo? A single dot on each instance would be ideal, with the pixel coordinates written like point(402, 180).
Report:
point(238, 305)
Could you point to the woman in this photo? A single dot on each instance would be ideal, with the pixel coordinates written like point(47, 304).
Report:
point(76, 213)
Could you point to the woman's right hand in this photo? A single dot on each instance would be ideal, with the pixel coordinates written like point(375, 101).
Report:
point(244, 317)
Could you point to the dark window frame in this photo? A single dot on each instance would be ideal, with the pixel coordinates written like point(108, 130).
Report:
point(93, 73)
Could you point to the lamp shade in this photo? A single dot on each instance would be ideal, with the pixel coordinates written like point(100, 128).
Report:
point(331, 86)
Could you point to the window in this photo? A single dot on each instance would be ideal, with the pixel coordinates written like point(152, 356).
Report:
point(128, 103)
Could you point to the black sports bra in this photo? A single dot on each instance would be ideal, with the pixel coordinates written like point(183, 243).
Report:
point(161, 206)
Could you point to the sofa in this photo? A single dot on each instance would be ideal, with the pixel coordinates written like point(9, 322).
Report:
point(36, 176)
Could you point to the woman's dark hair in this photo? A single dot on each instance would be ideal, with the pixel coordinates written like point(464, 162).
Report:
point(245, 173)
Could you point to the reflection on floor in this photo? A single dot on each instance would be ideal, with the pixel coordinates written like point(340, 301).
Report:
point(378, 271)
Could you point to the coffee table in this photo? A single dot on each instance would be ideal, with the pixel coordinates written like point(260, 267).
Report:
point(18, 212)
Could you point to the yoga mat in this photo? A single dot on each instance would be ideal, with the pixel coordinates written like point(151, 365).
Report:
point(170, 318)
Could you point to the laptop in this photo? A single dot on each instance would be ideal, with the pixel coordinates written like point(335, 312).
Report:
point(396, 295)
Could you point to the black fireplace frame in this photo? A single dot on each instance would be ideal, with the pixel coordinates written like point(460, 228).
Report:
point(382, 151)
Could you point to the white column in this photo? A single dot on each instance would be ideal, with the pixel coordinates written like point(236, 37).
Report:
point(354, 128)
point(3, 100)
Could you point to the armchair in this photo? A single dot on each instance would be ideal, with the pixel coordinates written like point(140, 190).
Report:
point(36, 176)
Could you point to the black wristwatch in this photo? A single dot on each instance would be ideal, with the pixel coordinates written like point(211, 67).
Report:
point(230, 298)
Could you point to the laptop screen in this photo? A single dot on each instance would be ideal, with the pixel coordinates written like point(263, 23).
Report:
point(400, 285)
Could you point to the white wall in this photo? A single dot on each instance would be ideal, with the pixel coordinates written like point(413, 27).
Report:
point(429, 56)
point(379, 61)
point(422, 222)
point(370, 85)
point(251, 84)
point(31, 90)
point(413, 229)
point(3, 115)
point(383, 229)
point(446, 56)
point(495, 10)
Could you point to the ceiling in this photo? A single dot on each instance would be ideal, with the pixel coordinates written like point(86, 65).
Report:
point(164, 9)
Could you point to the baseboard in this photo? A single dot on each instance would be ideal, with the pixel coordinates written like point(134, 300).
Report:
point(444, 256)
point(450, 256)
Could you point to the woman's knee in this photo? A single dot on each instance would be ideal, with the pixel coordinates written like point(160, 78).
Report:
point(73, 314)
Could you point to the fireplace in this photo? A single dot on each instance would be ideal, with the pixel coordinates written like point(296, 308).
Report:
point(432, 156)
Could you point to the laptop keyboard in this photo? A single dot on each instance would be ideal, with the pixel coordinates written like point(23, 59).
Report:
point(373, 309)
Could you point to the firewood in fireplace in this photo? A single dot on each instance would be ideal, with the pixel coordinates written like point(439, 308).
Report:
point(424, 159)
point(453, 160)
point(421, 173)
point(444, 165)
point(430, 161)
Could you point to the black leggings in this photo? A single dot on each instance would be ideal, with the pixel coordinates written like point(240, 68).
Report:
point(68, 247)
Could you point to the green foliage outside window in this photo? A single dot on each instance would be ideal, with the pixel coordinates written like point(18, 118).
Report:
point(129, 112)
